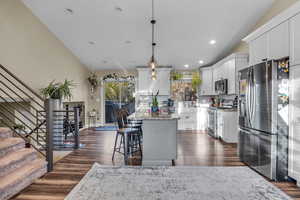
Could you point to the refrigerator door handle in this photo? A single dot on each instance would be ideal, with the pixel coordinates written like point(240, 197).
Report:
point(248, 99)
point(253, 100)
point(251, 97)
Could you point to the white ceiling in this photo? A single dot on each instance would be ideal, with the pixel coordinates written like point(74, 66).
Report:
point(103, 37)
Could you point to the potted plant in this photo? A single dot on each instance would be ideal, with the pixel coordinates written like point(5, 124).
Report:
point(94, 82)
point(176, 76)
point(19, 128)
point(57, 91)
point(196, 81)
point(154, 105)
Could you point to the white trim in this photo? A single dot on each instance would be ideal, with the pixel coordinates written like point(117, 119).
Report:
point(277, 20)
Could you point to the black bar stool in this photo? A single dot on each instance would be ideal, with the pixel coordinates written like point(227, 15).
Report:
point(133, 123)
point(126, 145)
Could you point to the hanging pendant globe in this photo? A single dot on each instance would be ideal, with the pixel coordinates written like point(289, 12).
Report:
point(152, 63)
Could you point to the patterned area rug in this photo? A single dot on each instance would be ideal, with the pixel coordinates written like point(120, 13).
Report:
point(106, 128)
point(174, 183)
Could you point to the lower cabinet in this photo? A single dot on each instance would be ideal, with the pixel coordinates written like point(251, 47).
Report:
point(294, 123)
point(227, 122)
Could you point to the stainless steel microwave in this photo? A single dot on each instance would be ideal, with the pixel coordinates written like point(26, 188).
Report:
point(221, 86)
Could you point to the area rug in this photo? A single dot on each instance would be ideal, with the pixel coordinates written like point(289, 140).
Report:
point(174, 183)
point(106, 128)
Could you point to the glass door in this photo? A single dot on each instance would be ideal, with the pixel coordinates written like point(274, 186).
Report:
point(118, 94)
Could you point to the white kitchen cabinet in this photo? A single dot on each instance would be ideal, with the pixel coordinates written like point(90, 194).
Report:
point(294, 123)
point(271, 45)
point(206, 87)
point(228, 69)
point(163, 82)
point(230, 75)
point(147, 86)
point(259, 49)
point(295, 40)
point(220, 124)
point(227, 122)
point(278, 43)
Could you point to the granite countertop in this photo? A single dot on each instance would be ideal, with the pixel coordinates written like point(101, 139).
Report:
point(224, 109)
point(146, 116)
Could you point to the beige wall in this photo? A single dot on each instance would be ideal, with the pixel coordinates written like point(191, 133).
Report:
point(277, 8)
point(34, 54)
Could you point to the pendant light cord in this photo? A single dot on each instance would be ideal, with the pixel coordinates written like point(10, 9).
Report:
point(153, 21)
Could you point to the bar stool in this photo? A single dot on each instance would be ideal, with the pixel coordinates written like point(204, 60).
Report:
point(126, 142)
point(133, 123)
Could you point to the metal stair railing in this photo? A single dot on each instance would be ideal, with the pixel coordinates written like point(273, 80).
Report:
point(34, 119)
point(19, 104)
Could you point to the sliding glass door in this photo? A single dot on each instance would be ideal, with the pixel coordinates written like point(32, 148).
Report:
point(118, 94)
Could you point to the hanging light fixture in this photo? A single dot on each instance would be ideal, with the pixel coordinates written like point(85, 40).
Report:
point(152, 63)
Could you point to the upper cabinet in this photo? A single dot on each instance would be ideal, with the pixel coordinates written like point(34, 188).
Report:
point(259, 49)
point(279, 41)
point(147, 86)
point(225, 69)
point(271, 45)
point(295, 40)
point(206, 87)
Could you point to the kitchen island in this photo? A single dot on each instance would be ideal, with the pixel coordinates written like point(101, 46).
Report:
point(159, 138)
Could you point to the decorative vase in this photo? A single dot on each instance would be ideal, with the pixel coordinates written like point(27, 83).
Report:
point(154, 109)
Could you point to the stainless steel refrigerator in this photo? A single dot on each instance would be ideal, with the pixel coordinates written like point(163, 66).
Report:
point(263, 118)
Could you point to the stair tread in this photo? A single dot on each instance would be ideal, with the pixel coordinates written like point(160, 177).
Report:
point(5, 132)
point(21, 173)
point(15, 156)
point(10, 142)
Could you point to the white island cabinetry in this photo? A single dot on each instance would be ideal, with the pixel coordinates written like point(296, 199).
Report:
point(159, 139)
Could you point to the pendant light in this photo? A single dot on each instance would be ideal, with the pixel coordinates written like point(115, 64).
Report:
point(152, 63)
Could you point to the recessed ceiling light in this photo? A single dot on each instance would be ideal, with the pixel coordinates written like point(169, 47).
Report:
point(201, 62)
point(213, 42)
point(128, 42)
point(69, 11)
point(117, 8)
point(186, 66)
point(91, 42)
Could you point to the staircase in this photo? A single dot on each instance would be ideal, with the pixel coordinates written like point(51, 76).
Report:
point(19, 166)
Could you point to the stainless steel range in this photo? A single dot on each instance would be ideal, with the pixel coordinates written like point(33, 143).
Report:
point(263, 118)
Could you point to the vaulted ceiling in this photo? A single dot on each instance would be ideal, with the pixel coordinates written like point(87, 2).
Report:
point(116, 34)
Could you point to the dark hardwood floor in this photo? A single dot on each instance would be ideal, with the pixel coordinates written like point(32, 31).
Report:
point(194, 148)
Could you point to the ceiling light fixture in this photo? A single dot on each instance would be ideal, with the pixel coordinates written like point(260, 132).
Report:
point(186, 66)
point(213, 42)
point(69, 10)
point(152, 63)
point(117, 8)
point(201, 62)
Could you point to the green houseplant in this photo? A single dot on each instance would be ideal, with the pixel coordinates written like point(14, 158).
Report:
point(58, 90)
point(154, 105)
point(176, 76)
point(94, 82)
point(196, 81)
